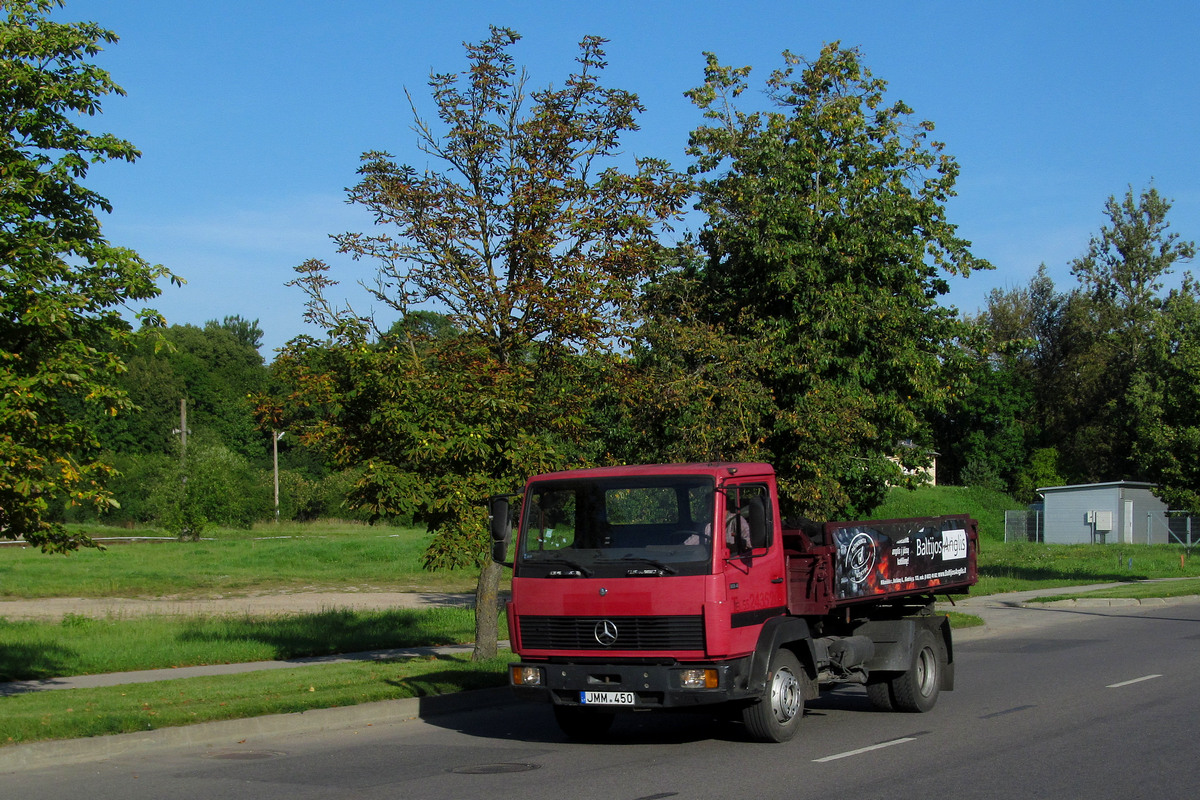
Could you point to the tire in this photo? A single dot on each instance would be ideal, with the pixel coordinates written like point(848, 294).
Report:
point(917, 689)
point(776, 716)
point(582, 724)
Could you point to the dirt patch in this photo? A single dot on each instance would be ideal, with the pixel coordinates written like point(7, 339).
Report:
point(55, 608)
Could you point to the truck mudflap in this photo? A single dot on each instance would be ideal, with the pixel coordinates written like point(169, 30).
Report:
point(631, 686)
point(895, 642)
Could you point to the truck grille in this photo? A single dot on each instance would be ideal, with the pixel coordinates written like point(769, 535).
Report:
point(632, 633)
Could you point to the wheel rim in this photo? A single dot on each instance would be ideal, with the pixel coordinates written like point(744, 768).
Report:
point(785, 695)
point(926, 672)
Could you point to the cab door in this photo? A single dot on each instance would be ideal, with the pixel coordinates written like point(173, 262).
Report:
point(753, 564)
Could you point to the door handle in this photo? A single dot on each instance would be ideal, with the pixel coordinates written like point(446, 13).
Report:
point(776, 580)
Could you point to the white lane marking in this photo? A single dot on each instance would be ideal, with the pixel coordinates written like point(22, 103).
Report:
point(1135, 680)
point(862, 750)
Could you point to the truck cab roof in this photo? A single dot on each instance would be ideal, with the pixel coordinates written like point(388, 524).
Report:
point(717, 469)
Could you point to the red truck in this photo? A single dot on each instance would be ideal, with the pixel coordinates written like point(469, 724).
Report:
point(679, 587)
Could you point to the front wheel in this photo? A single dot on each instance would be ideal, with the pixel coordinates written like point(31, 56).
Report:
point(776, 716)
point(918, 688)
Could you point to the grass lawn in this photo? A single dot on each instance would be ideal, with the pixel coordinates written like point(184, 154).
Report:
point(269, 558)
point(1018, 566)
point(1181, 588)
point(960, 620)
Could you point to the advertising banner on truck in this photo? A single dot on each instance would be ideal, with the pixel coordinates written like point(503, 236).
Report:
point(881, 558)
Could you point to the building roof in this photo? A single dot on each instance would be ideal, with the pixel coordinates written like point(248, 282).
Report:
point(1112, 484)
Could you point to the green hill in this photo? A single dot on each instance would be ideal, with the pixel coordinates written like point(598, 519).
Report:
point(984, 505)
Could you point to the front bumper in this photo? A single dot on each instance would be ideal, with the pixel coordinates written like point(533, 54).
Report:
point(653, 685)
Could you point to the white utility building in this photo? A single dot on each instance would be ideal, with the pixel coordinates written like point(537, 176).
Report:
point(1104, 513)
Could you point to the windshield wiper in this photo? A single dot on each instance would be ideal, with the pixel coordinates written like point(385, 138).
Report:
point(651, 561)
point(566, 562)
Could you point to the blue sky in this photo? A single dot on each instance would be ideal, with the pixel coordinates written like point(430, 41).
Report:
point(251, 115)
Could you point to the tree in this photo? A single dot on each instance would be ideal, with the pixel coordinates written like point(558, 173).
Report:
point(691, 391)
point(827, 243)
point(1111, 321)
point(216, 368)
point(988, 432)
point(531, 240)
point(986, 436)
point(62, 284)
point(417, 328)
point(1167, 394)
point(1041, 471)
point(220, 369)
point(210, 484)
point(246, 332)
point(1125, 264)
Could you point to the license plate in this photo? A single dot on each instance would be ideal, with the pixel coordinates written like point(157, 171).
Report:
point(607, 698)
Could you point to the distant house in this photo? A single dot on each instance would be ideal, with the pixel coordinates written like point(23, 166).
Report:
point(1104, 513)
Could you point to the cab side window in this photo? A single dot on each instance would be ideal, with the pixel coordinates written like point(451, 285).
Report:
point(748, 515)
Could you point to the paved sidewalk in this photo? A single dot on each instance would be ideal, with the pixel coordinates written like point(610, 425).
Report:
point(55, 608)
point(175, 673)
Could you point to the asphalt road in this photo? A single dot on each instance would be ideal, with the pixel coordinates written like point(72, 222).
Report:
point(1089, 703)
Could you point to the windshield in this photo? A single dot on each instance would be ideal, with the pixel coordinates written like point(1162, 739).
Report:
point(617, 527)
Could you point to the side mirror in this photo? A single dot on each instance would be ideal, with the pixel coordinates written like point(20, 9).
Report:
point(501, 525)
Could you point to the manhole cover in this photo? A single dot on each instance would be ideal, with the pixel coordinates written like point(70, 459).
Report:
point(494, 769)
point(245, 755)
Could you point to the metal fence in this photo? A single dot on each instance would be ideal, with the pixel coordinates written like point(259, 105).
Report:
point(1030, 526)
point(1183, 528)
point(1024, 526)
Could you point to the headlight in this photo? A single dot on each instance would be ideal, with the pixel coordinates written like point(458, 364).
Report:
point(699, 679)
point(525, 676)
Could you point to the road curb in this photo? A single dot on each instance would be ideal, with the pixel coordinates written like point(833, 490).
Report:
point(240, 733)
point(1115, 602)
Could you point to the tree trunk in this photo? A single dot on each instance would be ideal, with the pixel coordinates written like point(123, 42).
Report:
point(487, 611)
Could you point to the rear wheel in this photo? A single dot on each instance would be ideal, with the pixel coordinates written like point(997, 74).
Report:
point(776, 716)
point(918, 688)
point(880, 695)
point(582, 724)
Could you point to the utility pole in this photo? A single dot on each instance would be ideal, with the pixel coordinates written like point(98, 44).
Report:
point(275, 437)
point(183, 424)
point(182, 432)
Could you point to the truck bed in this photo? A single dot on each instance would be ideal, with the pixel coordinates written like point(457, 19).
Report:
point(845, 563)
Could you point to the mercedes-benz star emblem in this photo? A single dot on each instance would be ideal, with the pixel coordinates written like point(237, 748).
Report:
point(606, 632)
